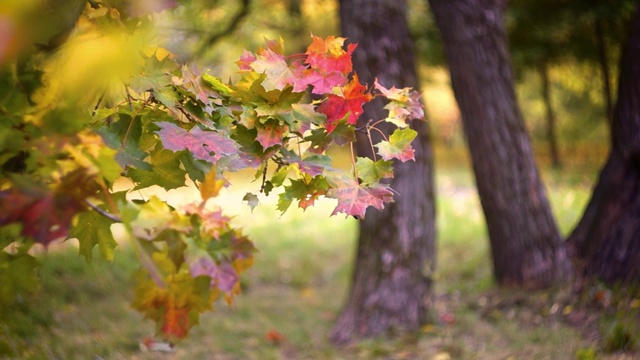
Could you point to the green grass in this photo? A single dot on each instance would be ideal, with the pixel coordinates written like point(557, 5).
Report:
point(297, 286)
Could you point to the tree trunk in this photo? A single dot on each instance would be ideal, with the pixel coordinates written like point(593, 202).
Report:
point(526, 246)
point(391, 284)
point(552, 138)
point(606, 240)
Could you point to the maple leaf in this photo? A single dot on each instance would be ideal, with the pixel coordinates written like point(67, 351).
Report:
point(274, 337)
point(348, 105)
point(213, 222)
point(175, 322)
point(211, 185)
point(279, 73)
point(354, 199)
point(329, 56)
point(322, 82)
point(91, 229)
point(203, 145)
point(246, 59)
point(252, 200)
point(216, 85)
point(306, 191)
point(165, 171)
point(405, 104)
point(398, 146)
point(370, 171)
point(223, 276)
point(270, 134)
point(46, 214)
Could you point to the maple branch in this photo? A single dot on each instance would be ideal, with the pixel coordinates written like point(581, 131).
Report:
point(129, 97)
point(264, 176)
point(379, 131)
point(373, 151)
point(100, 211)
point(233, 25)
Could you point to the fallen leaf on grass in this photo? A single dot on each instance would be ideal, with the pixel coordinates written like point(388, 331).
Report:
point(274, 337)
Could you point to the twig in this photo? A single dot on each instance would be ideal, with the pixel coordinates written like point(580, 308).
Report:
point(95, 207)
point(353, 161)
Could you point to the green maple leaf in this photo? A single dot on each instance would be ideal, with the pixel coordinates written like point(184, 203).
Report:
point(252, 200)
point(305, 190)
point(398, 146)
point(165, 171)
point(216, 84)
point(370, 171)
point(91, 229)
point(304, 113)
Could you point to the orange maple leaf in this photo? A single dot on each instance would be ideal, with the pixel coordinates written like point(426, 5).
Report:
point(175, 321)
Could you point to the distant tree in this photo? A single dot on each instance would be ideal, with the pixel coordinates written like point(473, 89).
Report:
point(605, 241)
point(537, 42)
point(391, 286)
point(526, 246)
point(547, 32)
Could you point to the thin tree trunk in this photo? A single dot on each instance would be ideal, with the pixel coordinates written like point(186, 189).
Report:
point(603, 59)
point(606, 240)
point(552, 138)
point(526, 247)
point(391, 285)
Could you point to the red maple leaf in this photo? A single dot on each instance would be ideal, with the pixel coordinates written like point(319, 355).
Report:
point(204, 145)
point(46, 214)
point(354, 199)
point(336, 107)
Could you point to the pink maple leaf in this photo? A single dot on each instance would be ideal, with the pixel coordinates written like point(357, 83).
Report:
point(246, 59)
point(398, 146)
point(354, 199)
point(324, 83)
point(203, 145)
point(223, 276)
point(405, 103)
point(279, 72)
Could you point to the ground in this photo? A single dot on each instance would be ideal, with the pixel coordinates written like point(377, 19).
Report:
point(294, 292)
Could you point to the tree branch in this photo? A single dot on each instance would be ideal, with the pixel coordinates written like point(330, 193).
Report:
point(233, 25)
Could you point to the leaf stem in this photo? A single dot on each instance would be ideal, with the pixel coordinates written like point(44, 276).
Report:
point(353, 161)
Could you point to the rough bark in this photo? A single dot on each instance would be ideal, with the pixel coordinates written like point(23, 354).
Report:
point(391, 284)
point(526, 247)
point(606, 240)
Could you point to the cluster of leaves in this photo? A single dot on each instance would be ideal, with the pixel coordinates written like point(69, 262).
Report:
point(69, 137)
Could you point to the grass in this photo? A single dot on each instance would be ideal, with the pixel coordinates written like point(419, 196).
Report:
point(299, 282)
